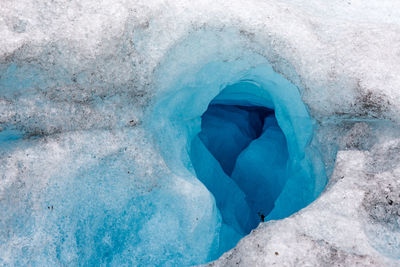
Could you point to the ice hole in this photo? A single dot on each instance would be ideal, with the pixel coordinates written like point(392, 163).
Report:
point(246, 136)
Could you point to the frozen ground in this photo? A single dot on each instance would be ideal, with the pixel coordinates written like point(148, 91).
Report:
point(87, 179)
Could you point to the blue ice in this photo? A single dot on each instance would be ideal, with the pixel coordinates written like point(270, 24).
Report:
point(246, 139)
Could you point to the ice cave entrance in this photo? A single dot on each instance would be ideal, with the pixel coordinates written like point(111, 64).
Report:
point(247, 137)
point(247, 149)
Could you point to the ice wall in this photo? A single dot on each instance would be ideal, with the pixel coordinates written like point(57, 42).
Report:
point(77, 79)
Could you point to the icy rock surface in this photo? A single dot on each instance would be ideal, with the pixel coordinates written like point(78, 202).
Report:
point(84, 183)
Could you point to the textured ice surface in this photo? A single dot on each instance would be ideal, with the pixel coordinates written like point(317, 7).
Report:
point(85, 179)
point(89, 198)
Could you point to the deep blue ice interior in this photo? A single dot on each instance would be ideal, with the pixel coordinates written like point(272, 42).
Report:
point(250, 147)
point(228, 129)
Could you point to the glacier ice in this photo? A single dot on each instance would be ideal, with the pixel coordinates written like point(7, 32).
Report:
point(103, 124)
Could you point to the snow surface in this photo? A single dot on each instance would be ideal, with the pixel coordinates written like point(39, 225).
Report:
point(85, 180)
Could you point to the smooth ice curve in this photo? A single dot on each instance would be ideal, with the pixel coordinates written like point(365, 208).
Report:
point(248, 146)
